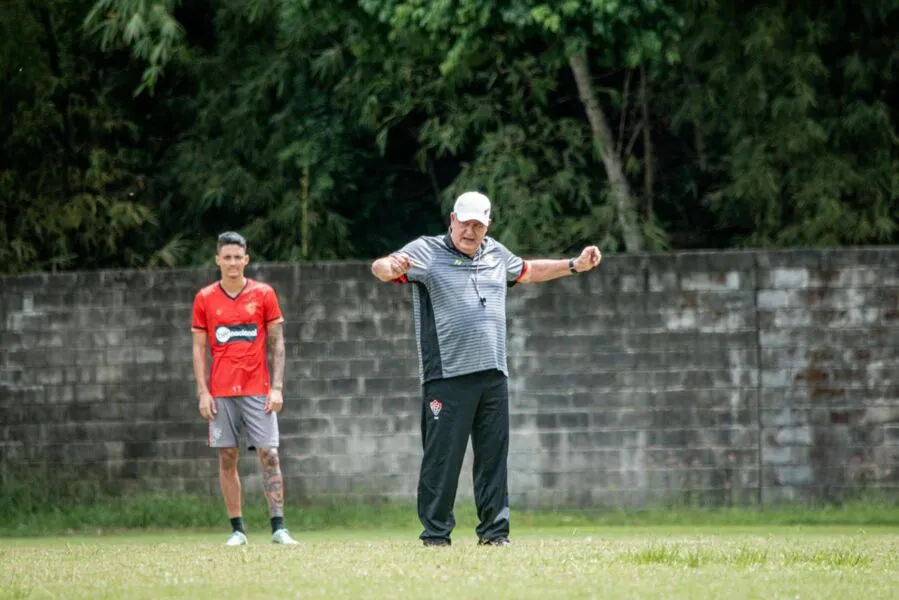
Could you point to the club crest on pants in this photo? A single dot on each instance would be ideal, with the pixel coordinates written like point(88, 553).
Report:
point(436, 405)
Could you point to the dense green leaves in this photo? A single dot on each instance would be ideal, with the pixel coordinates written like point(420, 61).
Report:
point(805, 109)
point(70, 157)
point(150, 30)
point(133, 132)
point(476, 41)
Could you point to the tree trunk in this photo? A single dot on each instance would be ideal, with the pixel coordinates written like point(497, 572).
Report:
point(602, 139)
point(304, 215)
point(648, 163)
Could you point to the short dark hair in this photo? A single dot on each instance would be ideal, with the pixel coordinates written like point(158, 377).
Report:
point(231, 237)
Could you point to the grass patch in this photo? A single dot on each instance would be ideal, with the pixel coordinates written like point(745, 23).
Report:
point(654, 562)
point(860, 513)
point(834, 557)
point(171, 511)
point(664, 555)
point(163, 511)
point(742, 555)
point(72, 503)
point(749, 556)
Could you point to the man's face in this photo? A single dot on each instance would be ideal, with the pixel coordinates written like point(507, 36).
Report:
point(467, 235)
point(232, 259)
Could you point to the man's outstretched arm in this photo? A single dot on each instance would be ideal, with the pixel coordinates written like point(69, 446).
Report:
point(546, 269)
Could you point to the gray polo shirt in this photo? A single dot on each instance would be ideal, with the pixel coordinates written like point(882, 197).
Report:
point(459, 305)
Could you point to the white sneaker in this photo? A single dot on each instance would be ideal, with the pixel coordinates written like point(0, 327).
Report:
point(283, 537)
point(236, 539)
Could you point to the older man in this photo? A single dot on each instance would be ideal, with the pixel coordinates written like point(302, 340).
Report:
point(459, 282)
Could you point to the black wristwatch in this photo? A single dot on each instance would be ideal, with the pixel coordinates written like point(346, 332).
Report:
point(571, 268)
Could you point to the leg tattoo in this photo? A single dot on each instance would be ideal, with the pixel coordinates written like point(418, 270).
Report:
point(272, 482)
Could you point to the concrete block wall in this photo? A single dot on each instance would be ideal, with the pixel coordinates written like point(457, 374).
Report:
point(687, 378)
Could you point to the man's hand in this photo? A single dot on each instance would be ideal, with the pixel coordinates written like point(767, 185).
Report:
point(399, 265)
point(207, 405)
point(392, 267)
point(588, 259)
point(274, 401)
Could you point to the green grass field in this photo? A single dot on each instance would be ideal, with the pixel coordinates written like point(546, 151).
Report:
point(166, 546)
point(656, 561)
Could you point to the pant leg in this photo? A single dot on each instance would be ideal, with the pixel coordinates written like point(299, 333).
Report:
point(490, 442)
point(446, 415)
point(262, 429)
point(224, 426)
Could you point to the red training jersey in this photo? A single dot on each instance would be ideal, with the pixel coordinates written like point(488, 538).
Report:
point(236, 330)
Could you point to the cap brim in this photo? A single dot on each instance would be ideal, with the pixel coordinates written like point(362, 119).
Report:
point(462, 217)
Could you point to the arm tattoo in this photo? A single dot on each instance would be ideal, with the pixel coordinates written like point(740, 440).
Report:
point(276, 342)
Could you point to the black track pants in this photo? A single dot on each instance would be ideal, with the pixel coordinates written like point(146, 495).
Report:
point(455, 408)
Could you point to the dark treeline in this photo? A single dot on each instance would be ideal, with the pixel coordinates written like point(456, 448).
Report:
point(134, 131)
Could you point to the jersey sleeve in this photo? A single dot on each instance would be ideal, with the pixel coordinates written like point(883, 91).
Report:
point(271, 307)
point(198, 317)
point(516, 266)
point(421, 254)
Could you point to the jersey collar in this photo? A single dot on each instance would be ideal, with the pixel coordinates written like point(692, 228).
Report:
point(236, 296)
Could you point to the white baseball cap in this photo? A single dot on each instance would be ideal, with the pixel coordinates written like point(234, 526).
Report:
point(473, 206)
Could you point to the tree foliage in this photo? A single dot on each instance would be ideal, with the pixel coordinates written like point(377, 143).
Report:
point(806, 110)
point(70, 174)
point(473, 40)
point(133, 132)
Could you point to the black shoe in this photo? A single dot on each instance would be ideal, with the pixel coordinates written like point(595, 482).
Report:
point(436, 542)
point(500, 541)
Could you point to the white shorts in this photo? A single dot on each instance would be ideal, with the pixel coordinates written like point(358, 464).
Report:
point(243, 414)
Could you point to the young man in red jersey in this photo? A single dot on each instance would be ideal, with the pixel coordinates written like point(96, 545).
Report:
point(236, 316)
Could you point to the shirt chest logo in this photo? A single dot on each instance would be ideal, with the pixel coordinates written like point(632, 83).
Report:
point(244, 332)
